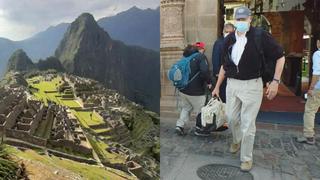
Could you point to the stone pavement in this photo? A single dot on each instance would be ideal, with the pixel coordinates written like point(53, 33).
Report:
point(276, 153)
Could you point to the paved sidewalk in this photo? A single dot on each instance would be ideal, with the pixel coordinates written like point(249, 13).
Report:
point(276, 153)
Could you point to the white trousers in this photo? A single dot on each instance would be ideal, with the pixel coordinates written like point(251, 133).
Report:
point(188, 104)
point(243, 101)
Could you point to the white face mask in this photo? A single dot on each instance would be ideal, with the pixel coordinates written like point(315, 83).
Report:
point(226, 34)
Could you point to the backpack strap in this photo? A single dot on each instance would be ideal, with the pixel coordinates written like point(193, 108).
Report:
point(193, 56)
point(258, 43)
point(197, 74)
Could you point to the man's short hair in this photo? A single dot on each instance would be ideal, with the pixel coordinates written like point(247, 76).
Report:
point(229, 24)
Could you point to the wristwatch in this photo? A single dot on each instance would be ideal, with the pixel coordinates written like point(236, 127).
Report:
point(276, 80)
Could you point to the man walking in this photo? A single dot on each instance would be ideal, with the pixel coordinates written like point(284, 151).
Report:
point(244, 66)
point(313, 101)
point(192, 97)
point(216, 58)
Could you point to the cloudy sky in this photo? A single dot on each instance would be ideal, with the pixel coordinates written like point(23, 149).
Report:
point(20, 19)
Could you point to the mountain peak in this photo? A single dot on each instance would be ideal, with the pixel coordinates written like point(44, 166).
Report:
point(20, 53)
point(134, 8)
point(83, 35)
point(19, 61)
point(86, 17)
point(85, 20)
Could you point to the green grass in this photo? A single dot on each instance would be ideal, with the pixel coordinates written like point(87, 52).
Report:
point(104, 155)
point(8, 168)
point(70, 103)
point(102, 130)
point(83, 117)
point(87, 171)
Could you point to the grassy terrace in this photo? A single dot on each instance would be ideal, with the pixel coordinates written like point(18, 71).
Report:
point(86, 119)
point(86, 171)
point(104, 155)
point(48, 91)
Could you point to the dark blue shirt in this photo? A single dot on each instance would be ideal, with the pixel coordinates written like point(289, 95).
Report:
point(216, 55)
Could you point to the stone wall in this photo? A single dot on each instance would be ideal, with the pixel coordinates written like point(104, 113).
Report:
point(167, 58)
point(12, 116)
point(23, 126)
point(201, 23)
point(5, 102)
point(63, 143)
point(74, 158)
point(25, 136)
point(37, 119)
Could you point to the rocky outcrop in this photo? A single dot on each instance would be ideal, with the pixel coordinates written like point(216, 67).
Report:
point(50, 63)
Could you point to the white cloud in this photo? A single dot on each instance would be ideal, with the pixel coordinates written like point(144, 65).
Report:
point(20, 19)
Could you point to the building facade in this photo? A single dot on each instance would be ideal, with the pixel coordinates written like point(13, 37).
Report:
point(184, 22)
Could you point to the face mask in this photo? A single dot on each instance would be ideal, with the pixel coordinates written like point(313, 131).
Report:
point(226, 34)
point(242, 26)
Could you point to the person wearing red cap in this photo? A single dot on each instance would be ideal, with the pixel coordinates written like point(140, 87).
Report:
point(192, 97)
point(200, 46)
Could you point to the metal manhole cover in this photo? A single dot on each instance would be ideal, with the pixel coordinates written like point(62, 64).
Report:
point(222, 172)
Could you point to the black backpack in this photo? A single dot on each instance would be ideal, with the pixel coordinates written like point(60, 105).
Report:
point(268, 65)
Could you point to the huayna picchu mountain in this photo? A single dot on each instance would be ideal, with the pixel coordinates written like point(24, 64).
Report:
point(19, 61)
point(88, 51)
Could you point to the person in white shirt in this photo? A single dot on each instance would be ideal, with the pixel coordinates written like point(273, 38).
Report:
point(313, 101)
point(243, 65)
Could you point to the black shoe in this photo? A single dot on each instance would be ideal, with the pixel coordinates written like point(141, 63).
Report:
point(222, 128)
point(179, 131)
point(201, 132)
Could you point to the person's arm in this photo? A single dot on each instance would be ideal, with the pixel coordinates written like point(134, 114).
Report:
point(315, 73)
point(221, 77)
point(273, 87)
point(314, 80)
point(274, 52)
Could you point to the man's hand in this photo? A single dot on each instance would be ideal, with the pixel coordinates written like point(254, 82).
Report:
point(310, 93)
point(272, 90)
point(216, 92)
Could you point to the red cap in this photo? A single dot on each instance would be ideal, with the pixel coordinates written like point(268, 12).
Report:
point(200, 45)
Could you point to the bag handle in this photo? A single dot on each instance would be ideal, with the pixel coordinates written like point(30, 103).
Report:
point(213, 99)
point(217, 97)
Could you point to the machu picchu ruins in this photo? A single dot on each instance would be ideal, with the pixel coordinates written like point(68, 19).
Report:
point(79, 119)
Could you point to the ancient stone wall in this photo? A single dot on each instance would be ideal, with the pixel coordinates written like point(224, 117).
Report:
point(74, 158)
point(25, 136)
point(38, 117)
point(12, 116)
point(23, 126)
point(5, 102)
point(63, 143)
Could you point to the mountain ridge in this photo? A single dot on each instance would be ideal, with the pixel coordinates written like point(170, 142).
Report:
point(44, 43)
